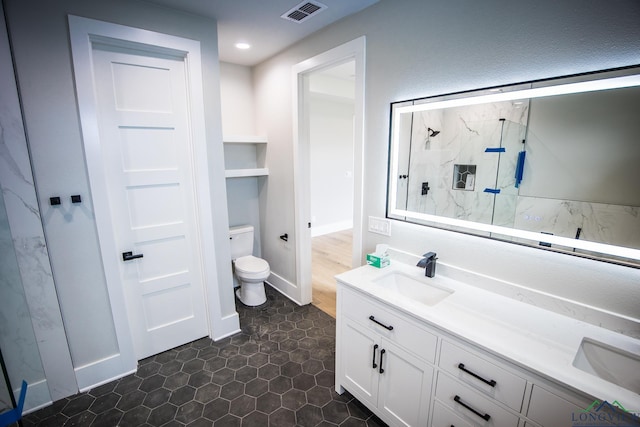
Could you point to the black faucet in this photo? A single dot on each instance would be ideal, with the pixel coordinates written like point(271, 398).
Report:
point(428, 263)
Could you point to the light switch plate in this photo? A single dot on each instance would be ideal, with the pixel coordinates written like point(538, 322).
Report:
point(380, 226)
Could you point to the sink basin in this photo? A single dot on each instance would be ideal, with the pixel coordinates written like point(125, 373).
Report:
point(416, 290)
point(617, 366)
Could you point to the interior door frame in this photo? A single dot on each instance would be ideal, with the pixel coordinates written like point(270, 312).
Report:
point(84, 34)
point(353, 50)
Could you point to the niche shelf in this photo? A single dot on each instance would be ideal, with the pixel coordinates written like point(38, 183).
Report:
point(244, 156)
point(242, 173)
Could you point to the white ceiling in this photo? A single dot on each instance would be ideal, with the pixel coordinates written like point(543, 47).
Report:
point(258, 23)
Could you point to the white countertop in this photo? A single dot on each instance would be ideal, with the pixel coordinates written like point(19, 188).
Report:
point(536, 339)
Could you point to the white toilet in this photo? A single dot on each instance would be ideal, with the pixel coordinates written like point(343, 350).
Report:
point(249, 272)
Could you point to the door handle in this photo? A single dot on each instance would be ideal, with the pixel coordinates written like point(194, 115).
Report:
point(128, 256)
point(382, 352)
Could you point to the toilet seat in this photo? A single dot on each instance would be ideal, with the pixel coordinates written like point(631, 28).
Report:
point(251, 267)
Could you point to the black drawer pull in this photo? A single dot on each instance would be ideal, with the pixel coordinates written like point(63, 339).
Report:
point(492, 383)
point(485, 417)
point(382, 352)
point(375, 347)
point(388, 328)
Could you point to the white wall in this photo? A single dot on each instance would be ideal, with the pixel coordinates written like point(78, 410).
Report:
point(42, 57)
point(236, 97)
point(331, 152)
point(237, 103)
point(419, 49)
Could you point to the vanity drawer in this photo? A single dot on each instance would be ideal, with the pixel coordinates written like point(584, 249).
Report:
point(549, 409)
point(406, 333)
point(476, 371)
point(444, 417)
point(472, 405)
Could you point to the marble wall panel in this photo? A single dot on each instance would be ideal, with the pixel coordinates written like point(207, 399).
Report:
point(611, 224)
point(55, 377)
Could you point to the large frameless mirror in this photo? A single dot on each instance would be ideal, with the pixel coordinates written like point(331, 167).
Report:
point(553, 163)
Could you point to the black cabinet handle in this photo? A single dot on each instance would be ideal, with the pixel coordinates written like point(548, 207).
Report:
point(485, 417)
point(382, 352)
point(388, 328)
point(128, 256)
point(374, 366)
point(492, 383)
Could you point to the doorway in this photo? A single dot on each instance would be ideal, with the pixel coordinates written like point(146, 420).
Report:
point(308, 98)
point(330, 94)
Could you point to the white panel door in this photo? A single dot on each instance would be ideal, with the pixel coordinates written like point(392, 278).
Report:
point(143, 120)
point(360, 362)
point(405, 387)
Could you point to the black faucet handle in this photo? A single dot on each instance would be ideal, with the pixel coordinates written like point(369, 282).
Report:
point(430, 255)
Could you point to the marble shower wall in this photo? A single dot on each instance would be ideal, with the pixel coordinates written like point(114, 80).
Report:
point(17, 340)
point(605, 223)
point(464, 134)
point(33, 342)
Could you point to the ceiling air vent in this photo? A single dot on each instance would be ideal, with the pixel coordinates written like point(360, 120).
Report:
point(304, 11)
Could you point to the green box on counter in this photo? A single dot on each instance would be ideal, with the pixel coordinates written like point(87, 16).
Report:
point(378, 261)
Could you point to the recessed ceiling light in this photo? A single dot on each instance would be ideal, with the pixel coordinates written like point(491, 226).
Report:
point(243, 46)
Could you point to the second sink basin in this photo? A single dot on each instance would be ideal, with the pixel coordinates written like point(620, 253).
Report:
point(617, 366)
point(412, 288)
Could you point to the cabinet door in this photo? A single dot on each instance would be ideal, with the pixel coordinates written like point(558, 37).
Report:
point(360, 352)
point(405, 386)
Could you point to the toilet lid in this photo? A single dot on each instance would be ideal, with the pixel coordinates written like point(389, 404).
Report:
point(251, 264)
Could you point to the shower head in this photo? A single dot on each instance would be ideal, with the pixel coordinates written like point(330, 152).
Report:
point(432, 132)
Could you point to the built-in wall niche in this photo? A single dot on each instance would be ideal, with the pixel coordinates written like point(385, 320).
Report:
point(244, 156)
point(464, 177)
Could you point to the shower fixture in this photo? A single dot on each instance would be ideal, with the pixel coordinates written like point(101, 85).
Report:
point(432, 132)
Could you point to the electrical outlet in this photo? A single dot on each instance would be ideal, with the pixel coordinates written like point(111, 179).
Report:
point(379, 226)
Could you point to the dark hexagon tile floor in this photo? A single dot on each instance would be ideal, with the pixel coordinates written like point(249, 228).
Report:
point(279, 371)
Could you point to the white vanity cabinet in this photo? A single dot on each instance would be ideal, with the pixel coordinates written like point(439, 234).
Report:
point(414, 372)
point(377, 368)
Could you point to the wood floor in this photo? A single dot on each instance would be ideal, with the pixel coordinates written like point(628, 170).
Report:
point(330, 255)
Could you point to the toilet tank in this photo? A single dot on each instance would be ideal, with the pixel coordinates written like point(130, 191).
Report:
point(241, 239)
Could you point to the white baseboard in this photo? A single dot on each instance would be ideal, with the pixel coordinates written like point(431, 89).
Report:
point(331, 228)
point(37, 396)
point(229, 325)
point(281, 285)
point(102, 371)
